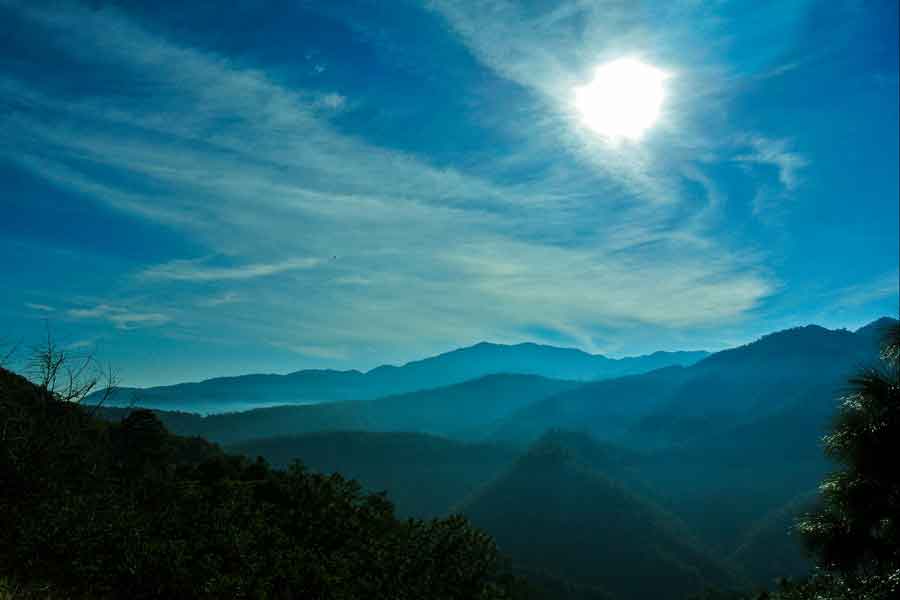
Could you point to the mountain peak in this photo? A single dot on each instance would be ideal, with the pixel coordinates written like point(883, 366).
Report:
point(877, 326)
point(597, 526)
point(794, 341)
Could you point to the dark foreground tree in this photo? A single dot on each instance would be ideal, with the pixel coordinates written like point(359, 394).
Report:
point(98, 510)
point(854, 536)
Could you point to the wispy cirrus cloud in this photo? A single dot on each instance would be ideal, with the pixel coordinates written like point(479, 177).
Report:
point(82, 344)
point(220, 300)
point(327, 352)
point(44, 308)
point(414, 254)
point(885, 286)
point(778, 154)
point(121, 317)
point(200, 270)
point(550, 51)
point(334, 101)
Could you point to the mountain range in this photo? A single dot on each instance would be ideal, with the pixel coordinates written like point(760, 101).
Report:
point(467, 411)
point(692, 472)
point(724, 390)
point(314, 386)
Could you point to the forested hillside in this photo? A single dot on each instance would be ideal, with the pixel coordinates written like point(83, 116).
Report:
point(94, 510)
point(424, 475)
point(600, 505)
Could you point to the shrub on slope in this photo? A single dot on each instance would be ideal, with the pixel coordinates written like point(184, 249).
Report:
point(128, 510)
point(424, 475)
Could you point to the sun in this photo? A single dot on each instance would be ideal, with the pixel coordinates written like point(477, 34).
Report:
point(624, 100)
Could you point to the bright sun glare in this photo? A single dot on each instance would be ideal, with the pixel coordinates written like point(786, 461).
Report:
point(624, 100)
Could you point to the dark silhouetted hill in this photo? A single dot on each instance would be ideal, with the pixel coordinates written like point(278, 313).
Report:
point(232, 427)
point(607, 409)
point(772, 547)
point(92, 509)
point(727, 442)
point(722, 484)
point(465, 410)
point(750, 382)
point(551, 511)
point(423, 475)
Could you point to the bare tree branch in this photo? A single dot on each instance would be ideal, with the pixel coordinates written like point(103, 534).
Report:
point(11, 351)
point(69, 377)
point(110, 385)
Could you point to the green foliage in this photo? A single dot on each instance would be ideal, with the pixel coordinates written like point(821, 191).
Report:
point(857, 531)
point(855, 535)
point(128, 510)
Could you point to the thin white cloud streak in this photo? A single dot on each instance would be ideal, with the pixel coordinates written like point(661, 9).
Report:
point(776, 153)
point(333, 101)
point(886, 286)
point(40, 307)
point(220, 300)
point(80, 345)
point(772, 200)
point(326, 352)
point(121, 317)
point(418, 254)
point(196, 270)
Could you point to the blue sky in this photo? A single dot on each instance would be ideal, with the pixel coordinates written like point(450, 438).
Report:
point(192, 190)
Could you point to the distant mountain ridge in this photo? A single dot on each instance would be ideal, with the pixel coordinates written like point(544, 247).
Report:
point(467, 411)
point(725, 389)
point(318, 385)
point(730, 439)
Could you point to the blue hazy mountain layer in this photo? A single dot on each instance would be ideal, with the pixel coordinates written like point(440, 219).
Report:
point(468, 410)
point(726, 389)
point(314, 386)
